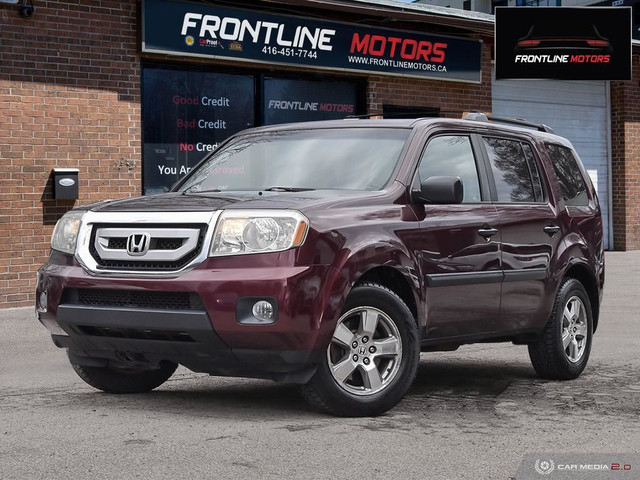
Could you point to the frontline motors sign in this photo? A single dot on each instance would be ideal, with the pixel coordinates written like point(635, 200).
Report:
point(207, 30)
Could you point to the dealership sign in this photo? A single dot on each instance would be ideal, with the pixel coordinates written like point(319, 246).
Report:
point(208, 30)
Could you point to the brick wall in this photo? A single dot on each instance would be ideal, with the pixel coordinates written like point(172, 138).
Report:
point(69, 97)
point(625, 141)
point(452, 98)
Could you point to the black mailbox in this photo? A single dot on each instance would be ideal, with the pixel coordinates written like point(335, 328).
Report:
point(65, 183)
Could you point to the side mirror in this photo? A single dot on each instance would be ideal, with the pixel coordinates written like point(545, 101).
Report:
point(439, 190)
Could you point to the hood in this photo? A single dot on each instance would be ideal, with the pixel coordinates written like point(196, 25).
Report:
point(168, 202)
point(197, 202)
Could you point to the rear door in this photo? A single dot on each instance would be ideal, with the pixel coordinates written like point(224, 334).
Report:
point(530, 230)
point(458, 245)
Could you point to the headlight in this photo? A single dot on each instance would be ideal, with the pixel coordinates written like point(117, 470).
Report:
point(258, 231)
point(65, 234)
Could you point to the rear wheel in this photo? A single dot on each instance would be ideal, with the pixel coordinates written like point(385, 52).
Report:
point(372, 358)
point(562, 350)
point(124, 380)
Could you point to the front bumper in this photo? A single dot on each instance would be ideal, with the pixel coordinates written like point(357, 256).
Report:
point(204, 336)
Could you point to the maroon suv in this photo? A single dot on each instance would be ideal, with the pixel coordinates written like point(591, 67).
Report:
point(331, 254)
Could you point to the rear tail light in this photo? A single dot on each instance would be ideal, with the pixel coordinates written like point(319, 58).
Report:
point(598, 43)
point(528, 43)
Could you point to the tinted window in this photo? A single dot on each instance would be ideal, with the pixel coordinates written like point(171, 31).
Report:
point(572, 186)
point(337, 158)
point(510, 170)
point(535, 173)
point(452, 155)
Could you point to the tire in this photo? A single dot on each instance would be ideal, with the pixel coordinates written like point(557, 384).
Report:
point(561, 352)
point(112, 380)
point(374, 353)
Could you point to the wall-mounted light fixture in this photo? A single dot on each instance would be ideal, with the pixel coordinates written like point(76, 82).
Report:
point(26, 8)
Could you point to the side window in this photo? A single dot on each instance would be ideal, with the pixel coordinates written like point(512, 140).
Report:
point(572, 186)
point(452, 155)
point(510, 170)
point(535, 173)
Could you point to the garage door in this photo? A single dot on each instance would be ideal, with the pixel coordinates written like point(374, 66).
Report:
point(577, 110)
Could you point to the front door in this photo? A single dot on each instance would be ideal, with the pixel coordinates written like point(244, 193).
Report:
point(458, 246)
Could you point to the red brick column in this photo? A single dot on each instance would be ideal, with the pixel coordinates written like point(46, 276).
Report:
point(625, 142)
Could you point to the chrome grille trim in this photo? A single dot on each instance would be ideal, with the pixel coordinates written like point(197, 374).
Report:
point(188, 235)
point(173, 220)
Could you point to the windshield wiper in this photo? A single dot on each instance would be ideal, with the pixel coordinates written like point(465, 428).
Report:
point(287, 189)
point(189, 190)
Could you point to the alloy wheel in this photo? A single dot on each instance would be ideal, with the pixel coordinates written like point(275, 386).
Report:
point(365, 351)
point(574, 329)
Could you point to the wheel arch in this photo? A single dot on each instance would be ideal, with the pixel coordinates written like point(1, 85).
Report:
point(395, 281)
point(386, 264)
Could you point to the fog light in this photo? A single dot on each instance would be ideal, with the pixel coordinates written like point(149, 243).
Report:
point(257, 310)
point(263, 310)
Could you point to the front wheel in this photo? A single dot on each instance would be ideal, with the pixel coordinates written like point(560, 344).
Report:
point(372, 358)
point(562, 350)
point(121, 380)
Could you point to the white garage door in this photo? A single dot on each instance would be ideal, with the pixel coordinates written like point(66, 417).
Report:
point(577, 110)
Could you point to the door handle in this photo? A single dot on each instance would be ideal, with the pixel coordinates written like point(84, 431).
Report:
point(487, 233)
point(551, 230)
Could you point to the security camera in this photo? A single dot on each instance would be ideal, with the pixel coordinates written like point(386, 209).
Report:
point(26, 11)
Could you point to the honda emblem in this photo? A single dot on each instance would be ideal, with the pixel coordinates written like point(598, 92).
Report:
point(138, 244)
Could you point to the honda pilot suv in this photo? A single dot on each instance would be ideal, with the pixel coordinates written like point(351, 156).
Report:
point(330, 254)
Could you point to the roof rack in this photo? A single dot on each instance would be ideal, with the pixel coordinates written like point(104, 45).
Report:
point(482, 117)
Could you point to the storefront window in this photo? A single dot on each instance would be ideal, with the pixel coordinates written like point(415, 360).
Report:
point(186, 114)
point(292, 100)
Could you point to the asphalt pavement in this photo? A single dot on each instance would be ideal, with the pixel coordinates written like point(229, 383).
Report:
point(473, 413)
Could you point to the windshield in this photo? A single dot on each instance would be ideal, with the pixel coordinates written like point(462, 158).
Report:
point(345, 158)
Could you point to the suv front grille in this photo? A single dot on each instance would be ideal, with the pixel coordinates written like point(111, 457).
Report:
point(134, 333)
point(159, 256)
point(133, 299)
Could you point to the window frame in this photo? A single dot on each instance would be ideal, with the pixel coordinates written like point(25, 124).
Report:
point(483, 180)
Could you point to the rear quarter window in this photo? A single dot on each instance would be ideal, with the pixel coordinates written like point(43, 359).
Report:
point(572, 185)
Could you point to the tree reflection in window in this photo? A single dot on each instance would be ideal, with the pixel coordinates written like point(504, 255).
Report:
point(510, 170)
point(572, 186)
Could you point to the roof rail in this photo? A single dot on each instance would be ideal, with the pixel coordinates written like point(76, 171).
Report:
point(482, 117)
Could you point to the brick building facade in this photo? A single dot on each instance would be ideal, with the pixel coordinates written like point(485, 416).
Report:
point(70, 96)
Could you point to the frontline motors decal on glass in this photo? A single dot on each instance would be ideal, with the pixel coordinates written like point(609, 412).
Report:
point(564, 43)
